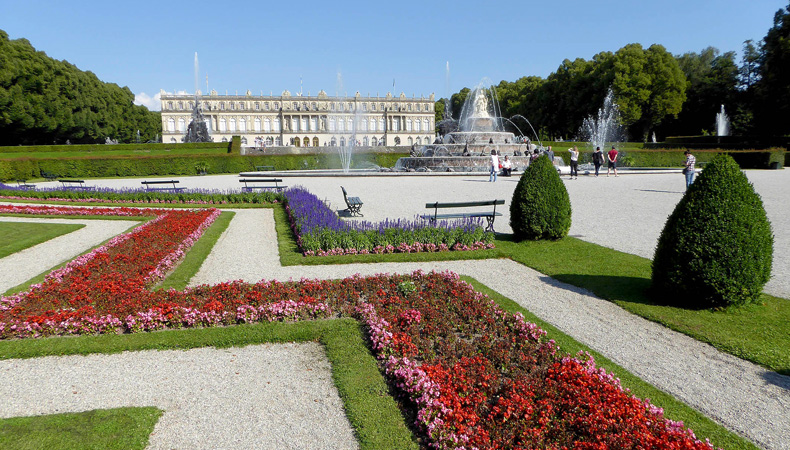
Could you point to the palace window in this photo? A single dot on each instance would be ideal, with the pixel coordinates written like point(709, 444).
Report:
point(409, 106)
point(365, 141)
point(363, 125)
point(341, 124)
point(295, 106)
point(180, 105)
point(241, 105)
point(222, 126)
point(364, 107)
point(372, 124)
point(278, 141)
point(372, 106)
point(191, 105)
point(314, 107)
point(381, 124)
point(427, 107)
point(332, 124)
point(304, 124)
point(276, 124)
point(408, 124)
point(276, 105)
point(222, 106)
point(232, 106)
point(419, 141)
point(169, 105)
point(342, 106)
point(171, 124)
point(417, 125)
point(396, 124)
point(333, 142)
point(269, 140)
point(350, 124)
point(266, 106)
point(411, 141)
point(257, 106)
point(243, 125)
point(382, 106)
point(342, 142)
point(232, 125)
point(257, 124)
point(313, 124)
point(425, 124)
point(294, 124)
point(315, 142)
point(267, 125)
point(182, 125)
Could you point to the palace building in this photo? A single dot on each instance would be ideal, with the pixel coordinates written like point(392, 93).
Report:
point(303, 121)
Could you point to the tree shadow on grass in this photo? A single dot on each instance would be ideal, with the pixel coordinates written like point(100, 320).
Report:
point(609, 287)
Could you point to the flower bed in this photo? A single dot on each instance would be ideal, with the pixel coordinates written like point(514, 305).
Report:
point(471, 374)
point(320, 232)
point(108, 195)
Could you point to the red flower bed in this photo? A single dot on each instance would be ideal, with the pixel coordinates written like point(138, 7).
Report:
point(473, 375)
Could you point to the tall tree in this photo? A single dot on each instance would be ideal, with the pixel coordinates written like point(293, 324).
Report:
point(772, 106)
point(45, 101)
point(648, 86)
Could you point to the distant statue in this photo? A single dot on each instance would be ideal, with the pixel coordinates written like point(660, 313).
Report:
point(481, 105)
point(109, 141)
point(197, 130)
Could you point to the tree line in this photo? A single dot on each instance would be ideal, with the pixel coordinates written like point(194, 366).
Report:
point(658, 92)
point(46, 101)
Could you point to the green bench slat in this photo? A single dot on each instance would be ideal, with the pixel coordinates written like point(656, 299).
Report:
point(464, 204)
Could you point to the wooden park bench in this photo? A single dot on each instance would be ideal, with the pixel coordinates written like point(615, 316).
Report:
point(22, 184)
point(489, 215)
point(353, 204)
point(252, 183)
point(171, 188)
point(75, 184)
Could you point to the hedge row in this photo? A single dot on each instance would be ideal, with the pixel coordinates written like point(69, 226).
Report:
point(111, 148)
point(26, 169)
point(746, 159)
point(213, 197)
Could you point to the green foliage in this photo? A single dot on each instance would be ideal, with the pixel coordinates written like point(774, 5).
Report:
point(107, 167)
point(235, 145)
point(157, 197)
point(541, 207)
point(43, 100)
point(716, 247)
point(93, 149)
point(773, 87)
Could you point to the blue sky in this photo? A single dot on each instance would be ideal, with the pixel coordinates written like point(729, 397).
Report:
point(269, 46)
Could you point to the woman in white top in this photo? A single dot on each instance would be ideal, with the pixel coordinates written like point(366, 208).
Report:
point(494, 166)
point(507, 167)
point(574, 162)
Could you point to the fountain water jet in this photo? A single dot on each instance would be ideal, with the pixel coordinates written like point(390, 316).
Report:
point(722, 123)
point(605, 127)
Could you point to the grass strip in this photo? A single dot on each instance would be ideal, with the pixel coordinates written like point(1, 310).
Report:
point(189, 266)
point(756, 333)
point(373, 413)
point(673, 408)
point(119, 428)
point(17, 236)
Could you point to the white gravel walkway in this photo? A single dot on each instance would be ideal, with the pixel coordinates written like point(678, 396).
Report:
point(21, 266)
point(745, 398)
point(261, 396)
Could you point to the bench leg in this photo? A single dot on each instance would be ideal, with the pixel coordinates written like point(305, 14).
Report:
point(490, 220)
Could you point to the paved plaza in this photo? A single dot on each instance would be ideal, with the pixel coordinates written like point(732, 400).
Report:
point(626, 213)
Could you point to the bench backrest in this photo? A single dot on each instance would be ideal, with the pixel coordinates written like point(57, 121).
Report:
point(261, 180)
point(160, 182)
point(345, 197)
point(72, 181)
point(437, 205)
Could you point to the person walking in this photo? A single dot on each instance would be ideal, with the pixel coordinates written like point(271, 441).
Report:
point(597, 158)
point(494, 166)
point(550, 152)
point(612, 157)
point(574, 162)
point(689, 169)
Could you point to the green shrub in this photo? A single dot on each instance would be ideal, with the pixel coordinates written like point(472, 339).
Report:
point(541, 208)
point(716, 247)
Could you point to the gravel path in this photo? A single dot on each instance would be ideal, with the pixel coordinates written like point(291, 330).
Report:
point(745, 398)
point(626, 213)
point(261, 396)
point(26, 264)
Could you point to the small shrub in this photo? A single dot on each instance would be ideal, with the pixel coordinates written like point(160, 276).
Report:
point(541, 208)
point(716, 247)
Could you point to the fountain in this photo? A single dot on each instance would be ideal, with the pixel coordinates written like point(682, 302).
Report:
point(605, 128)
point(466, 143)
point(722, 123)
point(197, 130)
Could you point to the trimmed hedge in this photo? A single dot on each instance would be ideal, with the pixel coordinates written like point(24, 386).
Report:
point(541, 207)
point(213, 197)
point(98, 167)
point(97, 148)
point(716, 248)
point(746, 159)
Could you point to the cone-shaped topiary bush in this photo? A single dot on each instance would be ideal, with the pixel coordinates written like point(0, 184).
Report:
point(717, 246)
point(541, 208)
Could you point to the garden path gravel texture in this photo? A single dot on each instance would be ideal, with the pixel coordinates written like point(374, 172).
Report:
point(21, 266)
point(745, 398)
point(260, 396)
point(626, 213)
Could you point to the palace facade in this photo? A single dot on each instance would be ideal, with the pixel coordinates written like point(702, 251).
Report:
point(303, 121)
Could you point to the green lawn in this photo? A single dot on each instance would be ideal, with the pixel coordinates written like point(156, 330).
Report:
point(121, 429)
point(16, 236)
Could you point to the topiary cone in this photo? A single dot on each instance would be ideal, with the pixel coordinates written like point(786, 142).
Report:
point(541, 207)
point(716, 248)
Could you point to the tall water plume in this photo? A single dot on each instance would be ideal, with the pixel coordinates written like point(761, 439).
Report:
point(605, 127)
point(722, 123)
